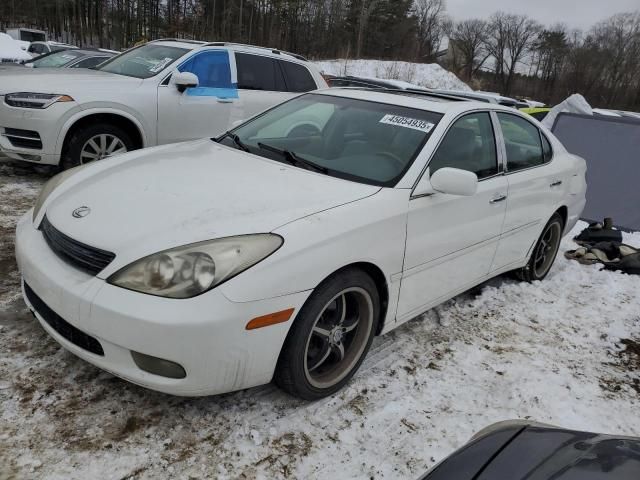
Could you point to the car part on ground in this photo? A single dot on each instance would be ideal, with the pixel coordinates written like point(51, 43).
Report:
point(520, 450)
point(283, 246)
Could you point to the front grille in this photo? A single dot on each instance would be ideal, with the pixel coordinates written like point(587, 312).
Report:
point(23, 138)
point(89, 259)
point(61, 326)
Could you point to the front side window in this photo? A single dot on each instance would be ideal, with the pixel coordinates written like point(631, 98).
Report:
point(211, 67)
point(522, 142)
point(298, 77)
point(56, 59)
point(359, 140)
point(143, 62)
point(256, 72)
point(468, 145)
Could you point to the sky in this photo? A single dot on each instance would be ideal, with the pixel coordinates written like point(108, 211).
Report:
point(575, 13)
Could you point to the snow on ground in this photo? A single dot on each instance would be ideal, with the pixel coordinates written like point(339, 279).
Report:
point(560, 351)
point(430, 75)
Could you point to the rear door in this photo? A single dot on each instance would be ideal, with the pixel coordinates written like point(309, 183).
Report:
point(261, 84)
point(535, 188)
point(203, 111)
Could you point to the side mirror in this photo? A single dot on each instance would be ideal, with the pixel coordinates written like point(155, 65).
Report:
point(452, 181)
point(184, 80)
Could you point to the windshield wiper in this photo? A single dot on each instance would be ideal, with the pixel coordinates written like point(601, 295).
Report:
point(239, 143)
point(293, 159)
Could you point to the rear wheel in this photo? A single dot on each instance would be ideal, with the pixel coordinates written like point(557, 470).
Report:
point(544, 252)
point(96, 142)
point(330, 337)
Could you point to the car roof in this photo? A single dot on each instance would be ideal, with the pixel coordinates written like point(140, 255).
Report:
point(194, 44)
point(433, 102)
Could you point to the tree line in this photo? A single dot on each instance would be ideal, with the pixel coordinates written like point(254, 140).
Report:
point(511, 54)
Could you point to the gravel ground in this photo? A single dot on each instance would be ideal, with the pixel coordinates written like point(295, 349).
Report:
point(563, 351)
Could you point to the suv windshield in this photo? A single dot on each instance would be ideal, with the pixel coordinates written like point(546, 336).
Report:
point(56, 59)
point(143, 62)
point(364, 141)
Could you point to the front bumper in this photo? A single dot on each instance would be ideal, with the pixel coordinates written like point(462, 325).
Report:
point(43, 125)
point(206, 335)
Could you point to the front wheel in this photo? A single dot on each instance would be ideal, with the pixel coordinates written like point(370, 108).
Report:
point(544, 252)
point(96, 142)
point(330, 336)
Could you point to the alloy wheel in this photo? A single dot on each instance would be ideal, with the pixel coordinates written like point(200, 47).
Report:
point(338, 337)
point(546, 249)
point(101, 146)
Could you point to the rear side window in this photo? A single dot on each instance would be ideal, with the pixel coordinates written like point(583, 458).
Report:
point(298, 77)
point(259, 73)
point(522, 142)
point(469, 145)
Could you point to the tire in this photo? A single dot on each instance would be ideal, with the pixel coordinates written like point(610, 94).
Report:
point(301, 370)
point(79, 143)
point(540, 263)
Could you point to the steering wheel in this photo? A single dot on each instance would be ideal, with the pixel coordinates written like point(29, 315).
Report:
point(304, 130)
point(393, 157)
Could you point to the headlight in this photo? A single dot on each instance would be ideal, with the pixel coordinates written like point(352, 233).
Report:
point(50, 186)
point(34, 100)
point(185, 272)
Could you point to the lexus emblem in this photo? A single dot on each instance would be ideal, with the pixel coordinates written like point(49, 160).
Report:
point(81, 212)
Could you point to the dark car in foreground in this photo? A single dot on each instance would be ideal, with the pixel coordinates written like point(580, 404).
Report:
point(518, 450)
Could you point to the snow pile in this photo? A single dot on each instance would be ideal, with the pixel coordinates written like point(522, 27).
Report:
point(10, 50)
point(576, 103)
point(429, 75)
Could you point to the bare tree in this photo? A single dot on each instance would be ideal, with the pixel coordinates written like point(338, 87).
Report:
point(510, 39)
point(468, 40)
point(432, 24)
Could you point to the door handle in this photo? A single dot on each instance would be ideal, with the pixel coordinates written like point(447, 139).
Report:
point(499, 198)
point(557, 183)
point(225, 100)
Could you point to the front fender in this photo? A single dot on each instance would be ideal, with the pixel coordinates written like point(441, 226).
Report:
point(99, 108)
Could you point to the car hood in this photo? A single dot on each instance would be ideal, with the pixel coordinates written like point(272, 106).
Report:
point(147, 201)
point(62, 81)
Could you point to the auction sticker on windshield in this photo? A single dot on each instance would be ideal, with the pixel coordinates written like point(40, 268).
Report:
point(407, 122)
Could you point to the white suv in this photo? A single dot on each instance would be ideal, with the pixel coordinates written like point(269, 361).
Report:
point(162, 92)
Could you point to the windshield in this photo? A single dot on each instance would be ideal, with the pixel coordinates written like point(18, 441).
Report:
point(369, 142)
point(143, 62)
point(56, 59)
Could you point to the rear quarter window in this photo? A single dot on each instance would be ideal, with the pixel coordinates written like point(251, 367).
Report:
point(297, 77)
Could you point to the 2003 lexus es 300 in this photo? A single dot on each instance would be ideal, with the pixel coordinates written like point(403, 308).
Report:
point(279, 250)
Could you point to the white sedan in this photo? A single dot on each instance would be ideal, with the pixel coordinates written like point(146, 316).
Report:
point(279, 250)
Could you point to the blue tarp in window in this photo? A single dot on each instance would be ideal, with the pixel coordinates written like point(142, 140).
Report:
point(213, 70)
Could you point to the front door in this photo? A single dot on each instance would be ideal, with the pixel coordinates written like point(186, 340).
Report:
point(203, 111)
point(451, 240)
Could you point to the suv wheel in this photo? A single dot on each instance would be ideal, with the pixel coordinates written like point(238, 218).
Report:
point(96, 142)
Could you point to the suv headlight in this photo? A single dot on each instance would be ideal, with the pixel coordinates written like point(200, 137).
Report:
point(185, 272)
point(34, 100)
point(50, 186)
